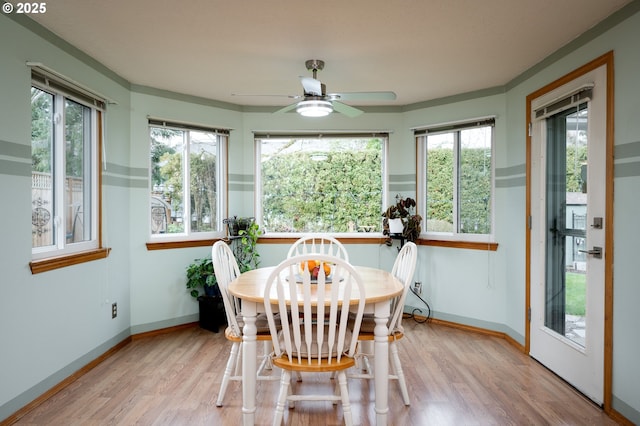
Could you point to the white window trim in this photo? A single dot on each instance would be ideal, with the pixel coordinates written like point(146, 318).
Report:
point(60, 246)
point(258, 185)
point(422, 190)
point(222, 200)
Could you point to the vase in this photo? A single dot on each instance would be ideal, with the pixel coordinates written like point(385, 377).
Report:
point(396, 226)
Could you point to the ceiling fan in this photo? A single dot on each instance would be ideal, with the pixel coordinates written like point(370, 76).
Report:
point(317, 103)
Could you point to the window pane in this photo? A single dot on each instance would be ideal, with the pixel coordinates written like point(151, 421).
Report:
point(321, 184)
point(76, 201)
point(204, 183)
point(475, 181)
point(64, 150)
point(42, 168)
point(167, 146)
point(440, 182)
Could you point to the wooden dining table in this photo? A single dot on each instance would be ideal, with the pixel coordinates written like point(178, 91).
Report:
point(381, 287)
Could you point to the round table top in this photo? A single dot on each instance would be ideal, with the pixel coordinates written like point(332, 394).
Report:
point(380, 285)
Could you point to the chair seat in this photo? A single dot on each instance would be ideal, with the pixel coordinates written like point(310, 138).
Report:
point(368, 324)
point(231, 336)
point(321, 367)
point(262, 324)
point(393, 337)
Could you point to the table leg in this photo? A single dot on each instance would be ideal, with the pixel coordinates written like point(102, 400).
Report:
point(381, 359)
point(249, 363)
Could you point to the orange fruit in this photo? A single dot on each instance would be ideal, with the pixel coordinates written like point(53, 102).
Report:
point(327, 269)
point(310, 264)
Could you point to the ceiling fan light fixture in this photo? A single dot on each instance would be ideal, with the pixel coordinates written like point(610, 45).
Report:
point(314, 108)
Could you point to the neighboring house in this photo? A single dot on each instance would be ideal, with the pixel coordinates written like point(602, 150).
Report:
point(576, 219)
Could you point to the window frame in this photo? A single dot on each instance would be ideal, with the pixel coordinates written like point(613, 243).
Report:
point(60, 253)
point(162, 239)
point(420, 135)
point(258, 136)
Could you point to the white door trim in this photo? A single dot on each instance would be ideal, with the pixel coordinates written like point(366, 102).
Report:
point(606, 59)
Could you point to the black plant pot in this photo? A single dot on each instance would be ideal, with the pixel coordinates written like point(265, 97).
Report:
point(212, 313)
point(237, 224)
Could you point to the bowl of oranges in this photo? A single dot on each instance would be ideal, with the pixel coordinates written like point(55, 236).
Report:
point(314, 268)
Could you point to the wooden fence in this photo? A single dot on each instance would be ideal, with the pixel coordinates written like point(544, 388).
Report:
point(43, 216)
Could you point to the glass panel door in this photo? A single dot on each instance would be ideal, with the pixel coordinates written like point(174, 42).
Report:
point(568, 196)
point(566, 240)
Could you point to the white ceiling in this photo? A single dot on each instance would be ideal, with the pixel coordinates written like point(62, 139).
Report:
point(420, 49)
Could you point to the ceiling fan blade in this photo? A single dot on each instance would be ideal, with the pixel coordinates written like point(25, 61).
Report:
point(267, 95)
point(345, 109)
point(363, 96)
point(311, 86)
point(287, 108)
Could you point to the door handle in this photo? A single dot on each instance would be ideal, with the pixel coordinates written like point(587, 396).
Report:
point(595, 252)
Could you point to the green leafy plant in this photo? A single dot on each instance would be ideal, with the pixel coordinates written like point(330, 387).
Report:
point(237, 224)
point(403, 209)
point(246, 250)
point(339, 193)
point(201, 279)
point(200, 276)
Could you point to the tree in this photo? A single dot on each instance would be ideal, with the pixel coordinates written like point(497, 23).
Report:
point(41, 130)
point(336, 194)
point(474, 191)
point(158, 149)
point(203, 188)
point(576, 158)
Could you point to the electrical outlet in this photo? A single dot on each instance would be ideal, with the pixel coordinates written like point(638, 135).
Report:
point(114, 310)
point(417, 287)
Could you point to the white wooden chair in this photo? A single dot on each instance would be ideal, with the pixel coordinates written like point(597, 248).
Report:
point(226, 270)
point(318, 243)
point(403, 269)
point(323, 244)
point(314, 337)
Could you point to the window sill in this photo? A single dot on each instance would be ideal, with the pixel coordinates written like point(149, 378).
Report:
point(469, 245)
point(378, 240)
point(44, 265)
point(166, 245)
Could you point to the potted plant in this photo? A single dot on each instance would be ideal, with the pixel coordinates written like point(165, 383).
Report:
point(202, 285)
point(246, 247)
point(403, 214)
point(236, 224)
point(200, 277)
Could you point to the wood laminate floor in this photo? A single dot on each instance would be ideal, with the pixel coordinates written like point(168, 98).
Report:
point(454, 377)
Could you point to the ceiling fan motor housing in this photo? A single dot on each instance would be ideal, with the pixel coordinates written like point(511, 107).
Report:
point(314, 65)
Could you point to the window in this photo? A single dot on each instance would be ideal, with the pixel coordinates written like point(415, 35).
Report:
point(457, 179)
point(187, 170)
point(320, 183)
point(65, 153)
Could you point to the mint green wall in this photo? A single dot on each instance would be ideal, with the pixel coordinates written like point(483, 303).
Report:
point(158, 294)
point(53, 323)
point(622, 39)
point(468, 286)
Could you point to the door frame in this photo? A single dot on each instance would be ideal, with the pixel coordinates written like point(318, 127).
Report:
point(606, 59)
